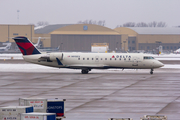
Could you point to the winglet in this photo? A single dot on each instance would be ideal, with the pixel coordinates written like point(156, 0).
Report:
point(59, 62)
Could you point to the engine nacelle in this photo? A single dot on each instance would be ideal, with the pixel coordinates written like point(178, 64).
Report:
point(53, 56)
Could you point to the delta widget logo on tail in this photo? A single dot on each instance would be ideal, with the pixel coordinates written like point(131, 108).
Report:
point(113, 56)
point(25, 46)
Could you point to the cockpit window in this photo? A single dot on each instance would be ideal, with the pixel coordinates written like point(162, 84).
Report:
point(148, 57)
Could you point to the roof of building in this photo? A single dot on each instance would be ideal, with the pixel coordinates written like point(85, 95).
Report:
point(156, 30)
point(85, 29)
point(49, 28)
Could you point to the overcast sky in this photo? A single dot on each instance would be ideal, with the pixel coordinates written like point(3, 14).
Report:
point(114, 12)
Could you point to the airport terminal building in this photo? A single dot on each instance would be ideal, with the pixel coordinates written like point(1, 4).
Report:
point(79, 37)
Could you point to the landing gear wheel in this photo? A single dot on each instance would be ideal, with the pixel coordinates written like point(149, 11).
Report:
point(84, 71)
point(151, 72)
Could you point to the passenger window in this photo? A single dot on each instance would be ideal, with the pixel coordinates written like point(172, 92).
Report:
point(110, 58)
point(124, 58)
point(119, 58)
point(87, 58)
point(148, 57)
point(96, 58)
point(83, 58)
point(129, 59)
point(92, 58)
point(105, 58)
point(101, 59)
point(114, 58)
point(152, 58)
point(78, 58)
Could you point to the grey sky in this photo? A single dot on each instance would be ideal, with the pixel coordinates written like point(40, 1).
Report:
point(114, 12)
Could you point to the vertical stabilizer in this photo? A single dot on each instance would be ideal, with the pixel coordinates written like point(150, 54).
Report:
point(26, 46)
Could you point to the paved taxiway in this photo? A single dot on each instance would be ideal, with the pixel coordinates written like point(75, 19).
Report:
point(100, 95)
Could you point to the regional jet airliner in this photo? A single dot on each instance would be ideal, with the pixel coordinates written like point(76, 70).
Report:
point(86, 61)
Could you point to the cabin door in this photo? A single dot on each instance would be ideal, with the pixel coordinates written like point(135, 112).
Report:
point(135, 61)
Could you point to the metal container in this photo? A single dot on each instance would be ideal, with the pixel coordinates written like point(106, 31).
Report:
point(38, 116)
point(13, 112)
point(56, 106)
point(39, 104)
point(154, 117)
point(151, 119)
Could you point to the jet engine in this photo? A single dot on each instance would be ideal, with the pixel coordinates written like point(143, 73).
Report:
point(53, 56)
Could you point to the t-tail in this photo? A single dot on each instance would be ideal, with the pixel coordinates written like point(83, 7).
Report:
point(26, 46)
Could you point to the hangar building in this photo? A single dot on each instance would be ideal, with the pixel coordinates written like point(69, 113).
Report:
point(79, 37)
point(149, 38)
point(7, 32)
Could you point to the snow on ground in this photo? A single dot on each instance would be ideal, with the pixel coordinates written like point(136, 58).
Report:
point(40, 68)
point(167, 59)
point(39, 27)
point(9, 56)
point(171, 55)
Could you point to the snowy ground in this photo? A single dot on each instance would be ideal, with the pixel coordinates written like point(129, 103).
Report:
point(96, 96)
point(11, 56)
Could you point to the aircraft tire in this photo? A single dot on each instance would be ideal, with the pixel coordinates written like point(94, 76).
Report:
point(151, 72)
point(84, 71)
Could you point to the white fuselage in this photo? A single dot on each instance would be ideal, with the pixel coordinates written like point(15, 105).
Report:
point(96, 60)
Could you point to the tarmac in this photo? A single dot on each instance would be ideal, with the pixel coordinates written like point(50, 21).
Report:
point(99, 95)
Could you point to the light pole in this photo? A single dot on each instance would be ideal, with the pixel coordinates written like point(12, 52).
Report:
point(18, 16)
point(124, 44)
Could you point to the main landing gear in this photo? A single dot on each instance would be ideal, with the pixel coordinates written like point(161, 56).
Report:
point(85, 71)
point(151, 72)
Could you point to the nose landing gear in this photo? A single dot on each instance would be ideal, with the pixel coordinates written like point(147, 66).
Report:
point(85, 71)
point(151, 72)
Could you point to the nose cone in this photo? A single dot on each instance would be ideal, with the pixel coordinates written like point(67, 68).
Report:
point(158, 64)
